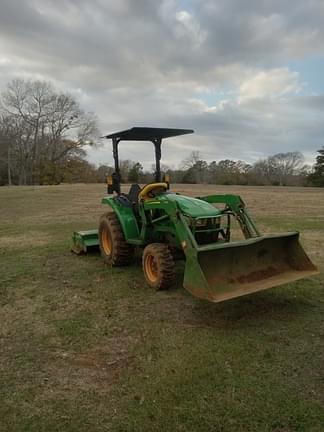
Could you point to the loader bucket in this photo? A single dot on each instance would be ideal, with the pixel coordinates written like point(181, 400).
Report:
point(85, 241)
point(221, 272)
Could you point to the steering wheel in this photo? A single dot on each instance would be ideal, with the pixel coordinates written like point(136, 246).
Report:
point(152, 193)
point(152, 189)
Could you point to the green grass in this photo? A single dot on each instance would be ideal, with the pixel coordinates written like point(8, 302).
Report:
point(88, 348)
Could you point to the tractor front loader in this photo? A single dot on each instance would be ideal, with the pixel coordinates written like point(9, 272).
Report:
point(170, 227)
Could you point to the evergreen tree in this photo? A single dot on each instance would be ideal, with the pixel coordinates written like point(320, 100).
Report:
point(316, 178)
point(135, 173)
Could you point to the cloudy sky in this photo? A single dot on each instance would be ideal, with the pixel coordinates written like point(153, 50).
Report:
point(247, 76)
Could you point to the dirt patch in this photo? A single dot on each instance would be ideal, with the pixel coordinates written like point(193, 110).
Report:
point(256, 275)
point(96, 369)
point(102, 362)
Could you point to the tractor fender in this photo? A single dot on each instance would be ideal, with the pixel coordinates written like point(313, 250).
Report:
point(126, 218)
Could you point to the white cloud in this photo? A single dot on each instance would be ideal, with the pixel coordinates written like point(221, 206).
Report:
point(273, 84)
point(189, 27)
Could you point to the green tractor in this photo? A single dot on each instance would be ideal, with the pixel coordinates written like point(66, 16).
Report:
point(168, 227)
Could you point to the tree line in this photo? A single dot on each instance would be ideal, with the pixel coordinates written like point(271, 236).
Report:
point(282, 169)
point(44, 132)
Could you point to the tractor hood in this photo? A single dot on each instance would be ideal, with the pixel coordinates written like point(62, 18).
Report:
point(192, 206)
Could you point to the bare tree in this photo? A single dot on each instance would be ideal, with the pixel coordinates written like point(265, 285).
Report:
point(49, 126)
point(5, 145)
point(285, 165)
point(125, 166)
point(196, 168)
point(191, 160)
point(280, 169)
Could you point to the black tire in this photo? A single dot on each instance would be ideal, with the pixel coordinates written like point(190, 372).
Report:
point(113, 247)
point(158, 266)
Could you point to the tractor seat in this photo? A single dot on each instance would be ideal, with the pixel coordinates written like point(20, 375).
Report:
point(129, 199)
point(150, 190)
point(133, 193)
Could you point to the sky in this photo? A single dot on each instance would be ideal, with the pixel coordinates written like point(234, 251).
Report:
point(247, 76)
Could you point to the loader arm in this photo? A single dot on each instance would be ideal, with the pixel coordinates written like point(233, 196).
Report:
point(235, 205)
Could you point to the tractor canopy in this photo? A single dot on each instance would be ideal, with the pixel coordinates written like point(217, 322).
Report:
point(155, 135)
point(147, 134)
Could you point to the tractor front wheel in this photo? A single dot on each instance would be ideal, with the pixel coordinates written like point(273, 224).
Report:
point(113, 247)
point(158, 266)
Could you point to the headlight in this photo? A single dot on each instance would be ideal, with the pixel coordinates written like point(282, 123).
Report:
point(201, 222)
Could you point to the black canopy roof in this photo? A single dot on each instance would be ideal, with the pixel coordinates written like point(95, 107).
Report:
point(148, 133)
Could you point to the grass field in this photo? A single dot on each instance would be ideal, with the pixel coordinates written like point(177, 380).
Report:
point(84, 347)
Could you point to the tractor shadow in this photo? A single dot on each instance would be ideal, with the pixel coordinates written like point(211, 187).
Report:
point(261, 309)
point(287, 303)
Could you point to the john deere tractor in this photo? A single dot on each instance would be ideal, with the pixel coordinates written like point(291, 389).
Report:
point(168, 226)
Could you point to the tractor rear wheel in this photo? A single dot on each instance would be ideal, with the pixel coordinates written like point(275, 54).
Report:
point(113, 247)
point(158, 266)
